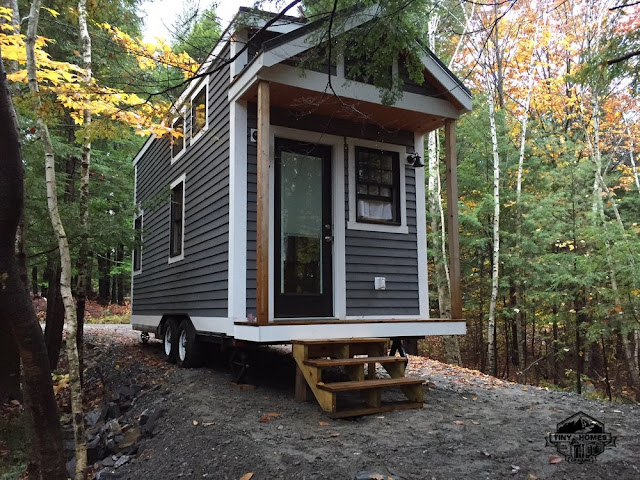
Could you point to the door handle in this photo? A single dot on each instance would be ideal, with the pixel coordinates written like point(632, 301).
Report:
point(328, 238)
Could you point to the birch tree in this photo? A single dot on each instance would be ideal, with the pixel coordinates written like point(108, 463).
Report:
point(63, 247)
point(83, 254)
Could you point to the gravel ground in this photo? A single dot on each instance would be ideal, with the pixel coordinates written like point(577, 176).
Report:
point(471, 426)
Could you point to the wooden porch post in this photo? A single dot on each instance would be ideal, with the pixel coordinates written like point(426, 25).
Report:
point(452, 217)
point(262, 227)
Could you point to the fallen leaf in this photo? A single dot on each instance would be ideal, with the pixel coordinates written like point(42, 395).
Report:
point(485, 453)
point(334, 435)
point(458, 422)
point(532, 477)
point(323, 424)
point(195, 422)
point(475, 422)
point(474, 398)
point(553, 459)
point(117, 367)
point(247, 476)
point(208, 424)
point(269, 416)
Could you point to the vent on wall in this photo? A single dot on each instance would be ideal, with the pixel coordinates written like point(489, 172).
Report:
point(254, 135)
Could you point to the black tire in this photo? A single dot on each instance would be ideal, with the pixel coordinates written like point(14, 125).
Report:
point(188, 346)
point(170, 340)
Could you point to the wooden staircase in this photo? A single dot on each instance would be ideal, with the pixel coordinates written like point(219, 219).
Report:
point(312, 356)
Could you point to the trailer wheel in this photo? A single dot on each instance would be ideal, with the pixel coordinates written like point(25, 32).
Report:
point(188, 345)
point(170, 340)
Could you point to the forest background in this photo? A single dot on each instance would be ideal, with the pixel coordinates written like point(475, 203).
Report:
point(548, 178)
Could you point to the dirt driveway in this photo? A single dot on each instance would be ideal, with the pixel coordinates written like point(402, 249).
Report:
point(471, 426)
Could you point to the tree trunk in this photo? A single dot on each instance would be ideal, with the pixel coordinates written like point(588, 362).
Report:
point(120, 278)
point(521, 346)
point(436, 212)
point(63, 246)
point(631, 154)
point(83, 254)
point(34, 280)
point(9, 366)
point(104, 278)
point(54, 324)
point(16, 309)
point(9, 355)
point(491, 322)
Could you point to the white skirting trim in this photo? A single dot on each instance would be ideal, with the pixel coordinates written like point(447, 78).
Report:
point(286, 333)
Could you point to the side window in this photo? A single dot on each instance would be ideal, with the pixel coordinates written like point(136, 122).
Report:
point(137, 251)
point(176, 228)
point(177, 142)
point(199, 111)
point(377, 186)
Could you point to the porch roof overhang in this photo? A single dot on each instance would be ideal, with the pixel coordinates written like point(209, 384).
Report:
point(333, 95)
point(353, 101)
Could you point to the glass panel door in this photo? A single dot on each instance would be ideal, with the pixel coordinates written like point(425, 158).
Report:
point(303, 284)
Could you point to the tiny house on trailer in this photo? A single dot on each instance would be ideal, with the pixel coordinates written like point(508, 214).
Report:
point(290, 214)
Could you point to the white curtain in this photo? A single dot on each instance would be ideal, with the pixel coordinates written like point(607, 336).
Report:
point(375, 210)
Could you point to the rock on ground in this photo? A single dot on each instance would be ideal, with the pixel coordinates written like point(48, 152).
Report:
point(471, 426)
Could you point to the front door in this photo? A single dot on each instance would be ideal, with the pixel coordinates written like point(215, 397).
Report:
point(303, 284)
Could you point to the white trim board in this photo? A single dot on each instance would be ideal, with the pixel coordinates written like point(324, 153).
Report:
point(237, 269)
point(181, 179)
point(182, 113)
point(421, 230)
point(286, 333)
point(352, 223)
point(139, 214)
point(337, 207)
point(205, 85)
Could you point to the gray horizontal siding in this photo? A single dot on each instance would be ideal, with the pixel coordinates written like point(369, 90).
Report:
point(196, 285)
point(368, 254)
point(252, 166)
point(390, 255)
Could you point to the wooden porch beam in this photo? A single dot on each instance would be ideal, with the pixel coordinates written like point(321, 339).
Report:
point(262, 220)
point(452, 217)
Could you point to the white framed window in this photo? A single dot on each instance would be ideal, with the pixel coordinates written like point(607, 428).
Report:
point(176, 219)
point(137, 249)
point(377, 187)
point(200, 111)
point(178, 144)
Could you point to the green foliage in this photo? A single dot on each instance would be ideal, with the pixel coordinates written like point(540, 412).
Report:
point(396, 30)
point(196, 31)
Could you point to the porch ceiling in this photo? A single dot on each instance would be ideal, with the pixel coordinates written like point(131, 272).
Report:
point(326, 104)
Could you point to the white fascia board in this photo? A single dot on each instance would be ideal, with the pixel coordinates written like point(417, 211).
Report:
point(316, 81)
point(321, 331)
point(447, 82)
point(245, 79)
point(144, 149)
point(255, 20)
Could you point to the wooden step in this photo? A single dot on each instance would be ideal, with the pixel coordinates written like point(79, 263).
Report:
point(340, 341)
point(387, 407)
point(343, 362)
point(336, 387)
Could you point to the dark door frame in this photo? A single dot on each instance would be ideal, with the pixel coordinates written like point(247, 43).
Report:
point(305, 305)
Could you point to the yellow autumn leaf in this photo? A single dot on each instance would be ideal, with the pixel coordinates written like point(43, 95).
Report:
point(53, 13)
